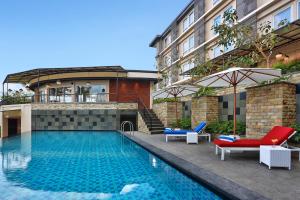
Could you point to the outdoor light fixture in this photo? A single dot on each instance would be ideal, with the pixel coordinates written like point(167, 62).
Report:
point(280, 56)
point(58, 82)
point(27, 86)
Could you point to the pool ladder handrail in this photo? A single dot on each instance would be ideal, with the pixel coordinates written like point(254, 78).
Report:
point(131, 129)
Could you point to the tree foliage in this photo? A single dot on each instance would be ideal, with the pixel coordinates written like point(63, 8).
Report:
point(16, 97)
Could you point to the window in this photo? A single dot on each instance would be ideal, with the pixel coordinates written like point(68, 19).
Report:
point(186, 67)
point(298, 7)
point(169, 79)
point(92, 93)
point(229, 47)
point(167, 41)
point(188, 21)
point(229, 9)
point(282, 18)
point(188, 45)
point(215, 2)
point(217, 51)
point(61, 94)
point(167, 60)
point(217, 21)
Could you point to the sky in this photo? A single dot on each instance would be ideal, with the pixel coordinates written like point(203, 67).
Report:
point(70, 33)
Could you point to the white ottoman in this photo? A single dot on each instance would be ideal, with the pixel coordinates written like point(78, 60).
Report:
point(192, 138)
point(275, 156)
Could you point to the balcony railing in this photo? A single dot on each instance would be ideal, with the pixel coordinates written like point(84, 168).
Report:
point(75, 98)
point(72, 98)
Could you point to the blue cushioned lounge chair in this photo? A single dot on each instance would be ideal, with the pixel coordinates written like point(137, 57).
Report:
point(200, 129)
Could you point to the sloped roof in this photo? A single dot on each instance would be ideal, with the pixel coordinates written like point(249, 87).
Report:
point(25, 76)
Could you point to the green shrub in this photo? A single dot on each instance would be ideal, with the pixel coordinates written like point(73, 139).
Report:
point(226, 127)
point(162, 100)
point(205, 91)
point(184, 123)
point(289, 67)
point(296, 137)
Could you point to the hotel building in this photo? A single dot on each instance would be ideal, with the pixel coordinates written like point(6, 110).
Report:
point(190, 36)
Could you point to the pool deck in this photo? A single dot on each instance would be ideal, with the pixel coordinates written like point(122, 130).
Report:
point(240, 174)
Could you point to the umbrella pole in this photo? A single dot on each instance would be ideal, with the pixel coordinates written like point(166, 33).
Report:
point(176, 111)
point(234, 110)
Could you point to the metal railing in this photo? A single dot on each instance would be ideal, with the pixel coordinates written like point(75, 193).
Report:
point(145, 110)
point(131, 128)
point(60, 98)
point(76, 98)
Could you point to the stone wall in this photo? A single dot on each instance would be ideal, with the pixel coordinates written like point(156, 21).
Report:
point(65, 116)
point(268, 106)
point(226, 107)
point(204, 109)
point(142, 127)
point(78, 119)
point(84, 106)
point(166, 112)
point(244, 7)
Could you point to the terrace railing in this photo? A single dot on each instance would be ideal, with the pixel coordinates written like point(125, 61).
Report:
point(75, 98)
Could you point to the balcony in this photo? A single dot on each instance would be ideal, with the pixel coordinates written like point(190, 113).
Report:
point(70, 98)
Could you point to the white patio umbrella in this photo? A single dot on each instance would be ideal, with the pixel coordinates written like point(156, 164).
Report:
point(239, 76)
point(175, 91)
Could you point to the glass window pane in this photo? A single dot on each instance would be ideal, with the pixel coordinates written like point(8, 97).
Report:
point(229, 47)
point(191, 42)
point(217, 51)
point(185, 24)
point(185, 46)
point(298, 9)
point(191, 18)
point(215, 2)
point(282, 18)
point(217, 21)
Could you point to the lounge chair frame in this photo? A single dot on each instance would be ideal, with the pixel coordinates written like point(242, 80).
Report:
point(201, 133)
point(230, 149)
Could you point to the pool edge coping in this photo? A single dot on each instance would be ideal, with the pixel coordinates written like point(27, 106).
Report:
point(221, 185)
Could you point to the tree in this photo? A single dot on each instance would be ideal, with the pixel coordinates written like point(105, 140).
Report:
point(16, 97)
point(259, 42)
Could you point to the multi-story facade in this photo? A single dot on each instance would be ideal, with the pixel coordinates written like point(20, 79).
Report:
point(190, 36)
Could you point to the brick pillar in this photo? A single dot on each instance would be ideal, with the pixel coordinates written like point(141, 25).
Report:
point(204, 109)
point(268, 106)
point(166, 112)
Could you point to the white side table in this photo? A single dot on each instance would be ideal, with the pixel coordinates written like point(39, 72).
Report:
point(275, 156)
point(192, 138)
point(295, 149)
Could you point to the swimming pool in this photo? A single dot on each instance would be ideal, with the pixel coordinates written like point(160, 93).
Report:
point(88, 165)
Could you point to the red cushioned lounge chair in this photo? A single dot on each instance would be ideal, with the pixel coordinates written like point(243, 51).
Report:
point(282, 134)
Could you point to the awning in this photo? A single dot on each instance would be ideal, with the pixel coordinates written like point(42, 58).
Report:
point(25, 76)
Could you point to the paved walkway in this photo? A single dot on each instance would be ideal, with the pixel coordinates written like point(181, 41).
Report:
point(243, 169)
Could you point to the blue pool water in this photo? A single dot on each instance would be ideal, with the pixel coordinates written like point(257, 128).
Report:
point(88, 165)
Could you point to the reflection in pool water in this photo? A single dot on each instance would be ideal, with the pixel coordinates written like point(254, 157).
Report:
point(88, 165)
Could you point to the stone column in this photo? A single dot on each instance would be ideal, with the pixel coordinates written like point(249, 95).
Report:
point(204, 109)
point(166, 112)
point(268, 106)
point(4, 126)
point(25, 118)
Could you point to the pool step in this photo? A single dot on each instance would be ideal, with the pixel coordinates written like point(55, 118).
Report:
point(154, 125)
